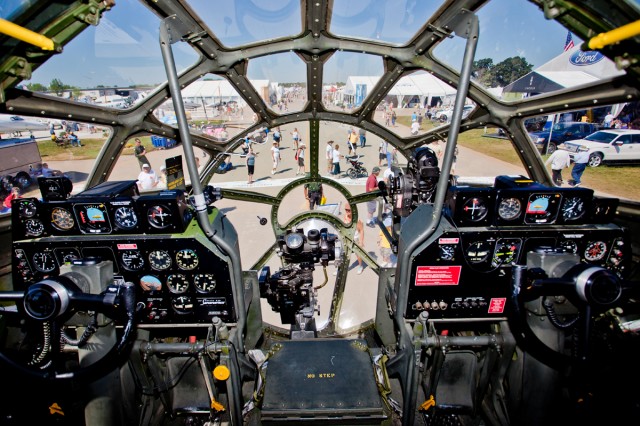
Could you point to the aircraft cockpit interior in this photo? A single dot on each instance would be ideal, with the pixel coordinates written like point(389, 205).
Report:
point(319, 212)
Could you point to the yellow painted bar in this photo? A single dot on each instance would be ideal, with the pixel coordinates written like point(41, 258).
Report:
point(23, 34)
point(613, 36)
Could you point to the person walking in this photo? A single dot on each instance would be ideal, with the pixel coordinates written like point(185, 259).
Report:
point(358, 236)
point(580, 161)
point(140, 153)
point(559, 160)
point(329, 156)
point(370, 186)
point(251, 163)
point(313, 193)
point(295, 136)
point(362, 133)
point(352, 143)
point(147, 179)
point(336, 160)
point(275, 157)
point(300, 157)
point(382, 151)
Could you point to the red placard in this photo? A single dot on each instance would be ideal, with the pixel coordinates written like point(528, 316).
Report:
point(130, 246)
point(437, 275)
point(496, 305)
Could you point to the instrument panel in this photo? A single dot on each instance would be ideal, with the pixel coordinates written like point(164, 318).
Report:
point(467, 274)
point(166, 212)
point(179, 279)
point(527, 205)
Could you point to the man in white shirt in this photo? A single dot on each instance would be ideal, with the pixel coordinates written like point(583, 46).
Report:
point(608, 119)
point(559, 160)
point(415, 127)
point(147, 179)
point(329, 156)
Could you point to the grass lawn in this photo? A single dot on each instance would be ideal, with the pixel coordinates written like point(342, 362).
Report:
point(49, 151)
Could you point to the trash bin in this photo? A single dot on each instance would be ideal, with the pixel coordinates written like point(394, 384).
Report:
point(162, 142)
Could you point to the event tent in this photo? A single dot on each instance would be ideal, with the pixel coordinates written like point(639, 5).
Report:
point(571, 68)
point(421, 85)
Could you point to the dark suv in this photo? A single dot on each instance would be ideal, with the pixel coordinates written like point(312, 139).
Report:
point(561, 132)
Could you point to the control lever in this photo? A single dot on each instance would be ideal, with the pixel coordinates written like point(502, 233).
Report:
point(382, 187)
point(128, 297)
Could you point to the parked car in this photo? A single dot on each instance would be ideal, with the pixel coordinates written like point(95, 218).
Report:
point(619, 146)
point(561, 132)
point(445, 115)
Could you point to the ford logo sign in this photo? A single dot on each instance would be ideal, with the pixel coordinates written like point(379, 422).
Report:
point(585, 58)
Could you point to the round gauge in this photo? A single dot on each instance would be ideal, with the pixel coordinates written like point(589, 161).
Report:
point(569, 246)
point(187, 259)
point(182, 304)
point(44, 261)
point(573, 208)
point(478, 252)
point(125, 217)
point(92, 218)
point(177, 283)
point(294, 240)
point(27, 208)
point(159, 216)
point(160, 260)
point(132, 260)
point(475, 209)
point(204, 282)
point(447, 251)
point(509, 208)
point(33, 227)
point(505, 253)
point(62, 219)
point(66, 255)
point(595, 251)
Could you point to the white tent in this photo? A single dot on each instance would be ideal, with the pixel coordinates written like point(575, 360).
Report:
point(423, 85)
point(569, 69)
point(214, 92)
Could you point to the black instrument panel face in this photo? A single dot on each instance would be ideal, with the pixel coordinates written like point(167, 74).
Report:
point(535, 206)
point(178, 279)
point(467, 274)
point(162, 213)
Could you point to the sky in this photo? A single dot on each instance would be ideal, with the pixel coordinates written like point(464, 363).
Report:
point(124, 50)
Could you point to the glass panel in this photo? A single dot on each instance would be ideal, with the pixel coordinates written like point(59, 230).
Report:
point(352, 174)
point(266, 173)
point(391, 21)
point(213, 107)
point(280, 80)
point(348, 78)
point(114, 64)
point(540, 56)
point(241, 22)
point(419, 97)
point(154, 152)
point(295, 202)
point(46, 147)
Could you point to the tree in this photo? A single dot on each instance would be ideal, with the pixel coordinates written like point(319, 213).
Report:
point(509, 71)
point(57, 86)
point(481, 71)
point(37, 87)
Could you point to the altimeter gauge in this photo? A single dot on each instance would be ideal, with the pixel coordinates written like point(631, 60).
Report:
point(125, 217)
point(573, 208)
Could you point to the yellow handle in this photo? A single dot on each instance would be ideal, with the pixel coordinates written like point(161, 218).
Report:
point(28, 36)
point(613, 36)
